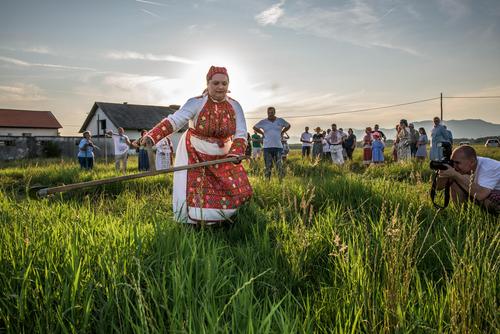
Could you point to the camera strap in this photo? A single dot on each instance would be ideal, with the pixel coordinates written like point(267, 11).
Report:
point(433, 193)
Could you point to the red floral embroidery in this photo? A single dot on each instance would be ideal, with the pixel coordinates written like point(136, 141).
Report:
point(221, 186)
point(161, 130)
point(238, 147)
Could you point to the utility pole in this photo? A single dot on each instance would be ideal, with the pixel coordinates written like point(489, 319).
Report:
point(441, 107)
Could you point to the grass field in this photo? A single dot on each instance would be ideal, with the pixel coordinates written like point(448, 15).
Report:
point(330, 249)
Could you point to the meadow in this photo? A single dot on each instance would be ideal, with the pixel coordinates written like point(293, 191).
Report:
point(330, 249)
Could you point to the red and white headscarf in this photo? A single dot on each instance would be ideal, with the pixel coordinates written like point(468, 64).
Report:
point(216, 70)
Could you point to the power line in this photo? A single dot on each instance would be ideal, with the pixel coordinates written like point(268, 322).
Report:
point(472, 97)
point(357, 110)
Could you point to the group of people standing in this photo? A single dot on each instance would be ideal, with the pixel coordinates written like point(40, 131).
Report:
point(338, 146)
point(163, 151)
point(333, 144)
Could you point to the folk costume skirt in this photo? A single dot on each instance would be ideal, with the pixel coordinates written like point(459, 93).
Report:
point(209, 194)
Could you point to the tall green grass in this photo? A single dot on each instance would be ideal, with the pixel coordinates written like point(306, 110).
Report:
point(329, 249)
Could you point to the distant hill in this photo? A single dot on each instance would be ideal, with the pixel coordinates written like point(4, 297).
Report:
point(466, 128)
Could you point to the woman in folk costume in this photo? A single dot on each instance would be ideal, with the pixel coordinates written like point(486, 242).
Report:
point(367, 146)
point(404, 149)
point(164, 152)
point(217, 129)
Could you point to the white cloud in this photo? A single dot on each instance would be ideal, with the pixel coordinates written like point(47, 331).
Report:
point(21, 92)
point(356, 23)
point(131, 55)
point(270, 15)
point(150, 13)
point(397, 47)
point(32, 49)
point(23, 63)
point(151, 3)
point(40, 49)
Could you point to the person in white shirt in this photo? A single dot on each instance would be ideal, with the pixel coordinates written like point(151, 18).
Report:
point(122, 144)
point(306, 140)
point(472, 178)
point(164, 153)
point(335, 140)
point(272, 128)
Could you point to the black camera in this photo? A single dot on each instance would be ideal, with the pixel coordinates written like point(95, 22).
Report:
point(446, 160)
point(441, 165)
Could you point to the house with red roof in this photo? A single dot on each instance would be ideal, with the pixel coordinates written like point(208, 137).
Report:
point(28, 123)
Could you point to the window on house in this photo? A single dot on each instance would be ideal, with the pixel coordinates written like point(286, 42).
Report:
point(26, 134)
point(7, 143)
point(103, 125)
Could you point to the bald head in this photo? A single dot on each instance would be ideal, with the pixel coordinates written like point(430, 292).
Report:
point(466, 152)
point(464, 159)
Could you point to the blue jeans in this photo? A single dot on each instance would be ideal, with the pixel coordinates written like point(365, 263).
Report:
point(86, 162)
point(306, 151)
point(272, 155)
point(413, 149)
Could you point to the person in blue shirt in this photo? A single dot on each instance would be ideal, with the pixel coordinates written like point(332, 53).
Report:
point(272, 128)
point(438, 135)
point(86, 151)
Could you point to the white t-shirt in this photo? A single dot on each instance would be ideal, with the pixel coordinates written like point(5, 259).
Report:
point(307, 139)
point(272, 131)
point(121, 146)
point(335, 137)
point(488, 173)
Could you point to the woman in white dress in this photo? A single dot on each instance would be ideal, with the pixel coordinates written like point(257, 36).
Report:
point(164, 152)
point(217, 129)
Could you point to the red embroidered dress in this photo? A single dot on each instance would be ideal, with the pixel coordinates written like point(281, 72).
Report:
point(217, 130)
point(367, 149)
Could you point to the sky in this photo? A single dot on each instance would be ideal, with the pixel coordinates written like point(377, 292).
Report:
point(306, 58)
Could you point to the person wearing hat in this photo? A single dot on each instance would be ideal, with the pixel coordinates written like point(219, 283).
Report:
point(404, 140)
point(317, 139)
point(217, 129)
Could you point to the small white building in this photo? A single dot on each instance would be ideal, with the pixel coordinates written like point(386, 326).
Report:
point(28, 123)
point(131, 117)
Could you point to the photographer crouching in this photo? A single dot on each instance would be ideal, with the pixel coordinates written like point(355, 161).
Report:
point(470, 178)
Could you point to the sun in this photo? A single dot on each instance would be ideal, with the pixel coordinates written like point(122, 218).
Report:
point(240, 86)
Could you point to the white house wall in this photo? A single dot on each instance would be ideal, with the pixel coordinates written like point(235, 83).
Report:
point(4, 131)
point(100, 115)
